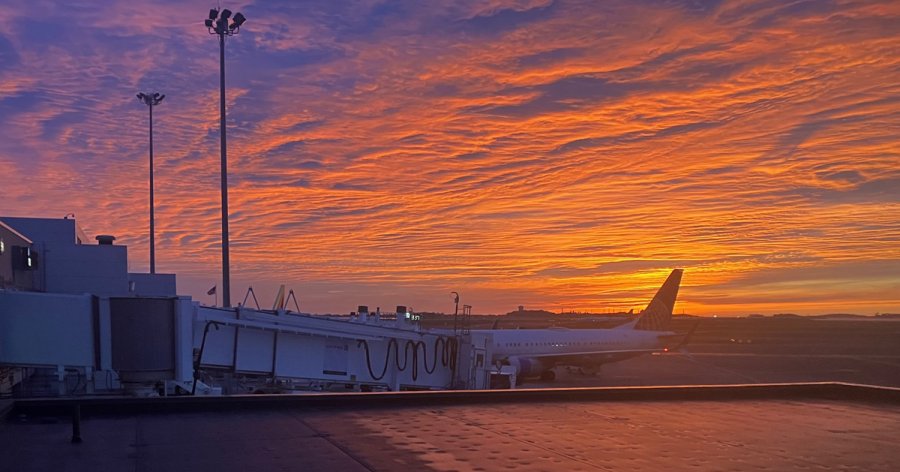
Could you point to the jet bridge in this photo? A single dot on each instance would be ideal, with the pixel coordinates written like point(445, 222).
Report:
point(65, 345)
point(261, 351)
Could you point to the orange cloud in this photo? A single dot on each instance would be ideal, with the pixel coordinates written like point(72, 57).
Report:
point(558, 155)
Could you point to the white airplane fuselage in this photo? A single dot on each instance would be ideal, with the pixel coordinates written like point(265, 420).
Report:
point(543, 342)
point(535, 352)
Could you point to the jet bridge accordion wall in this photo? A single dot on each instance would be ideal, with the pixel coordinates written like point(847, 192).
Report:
point(317, 349)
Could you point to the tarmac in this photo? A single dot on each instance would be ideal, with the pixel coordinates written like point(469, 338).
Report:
point(614, 420)
point(725, 368)
point(799, 427)
point(769, 350)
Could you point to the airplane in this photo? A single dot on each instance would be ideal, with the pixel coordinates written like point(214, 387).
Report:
point(535, 352)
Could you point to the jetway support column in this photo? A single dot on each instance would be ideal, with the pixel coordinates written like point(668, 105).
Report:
point(475, 361)
point(89, 380)
point(184, 339)
point(61, 379)
point(104, 332)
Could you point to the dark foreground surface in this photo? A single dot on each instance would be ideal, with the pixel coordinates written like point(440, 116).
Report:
point(788, 433)
point(739, 428)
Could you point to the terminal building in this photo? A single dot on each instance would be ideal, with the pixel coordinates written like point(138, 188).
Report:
point(74, 321)
point(55, 256)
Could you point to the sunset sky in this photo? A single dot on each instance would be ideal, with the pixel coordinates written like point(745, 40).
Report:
point(561, 155)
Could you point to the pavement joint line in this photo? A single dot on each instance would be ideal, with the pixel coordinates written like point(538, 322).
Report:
point(327, 437)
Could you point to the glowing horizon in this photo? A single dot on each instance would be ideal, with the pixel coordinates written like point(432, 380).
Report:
point(557, 155)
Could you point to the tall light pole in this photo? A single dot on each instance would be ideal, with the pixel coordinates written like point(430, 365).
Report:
point(151, 100)
point(218, 23)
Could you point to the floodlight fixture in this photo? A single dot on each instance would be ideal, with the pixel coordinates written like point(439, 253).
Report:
point(218, 22)
point(150, 99)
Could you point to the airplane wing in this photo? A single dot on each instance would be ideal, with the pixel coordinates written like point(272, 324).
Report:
point(592, 357)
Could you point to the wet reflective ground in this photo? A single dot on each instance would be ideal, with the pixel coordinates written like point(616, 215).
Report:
point(783, 433)
point(560, 436)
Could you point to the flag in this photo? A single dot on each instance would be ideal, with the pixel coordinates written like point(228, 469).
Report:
point(211, 291)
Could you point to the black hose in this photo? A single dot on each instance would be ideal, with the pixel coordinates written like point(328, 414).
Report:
point(200, 354)
point(449, 346)
point(363, 342)
point(415, 358)
point(438, 340)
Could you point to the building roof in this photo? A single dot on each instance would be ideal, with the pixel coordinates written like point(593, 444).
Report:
point(13, 231)
point(56, 230)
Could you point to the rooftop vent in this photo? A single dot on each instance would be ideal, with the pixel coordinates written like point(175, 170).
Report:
point(105, 239)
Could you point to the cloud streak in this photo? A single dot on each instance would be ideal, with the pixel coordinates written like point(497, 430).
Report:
point(559, 154)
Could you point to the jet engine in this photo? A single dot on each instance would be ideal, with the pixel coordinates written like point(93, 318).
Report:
point(529, 367)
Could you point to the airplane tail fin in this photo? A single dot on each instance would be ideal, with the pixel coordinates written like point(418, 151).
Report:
point(658, 314)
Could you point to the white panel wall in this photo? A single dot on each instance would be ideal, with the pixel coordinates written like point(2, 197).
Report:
point(152, 285)
point(77, 269)
point(219, 348)
point(46, 329)
point(255, 350)
point(299, 356)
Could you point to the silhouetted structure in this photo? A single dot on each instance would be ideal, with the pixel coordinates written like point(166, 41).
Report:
point(151, 100)
point(218, 23)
